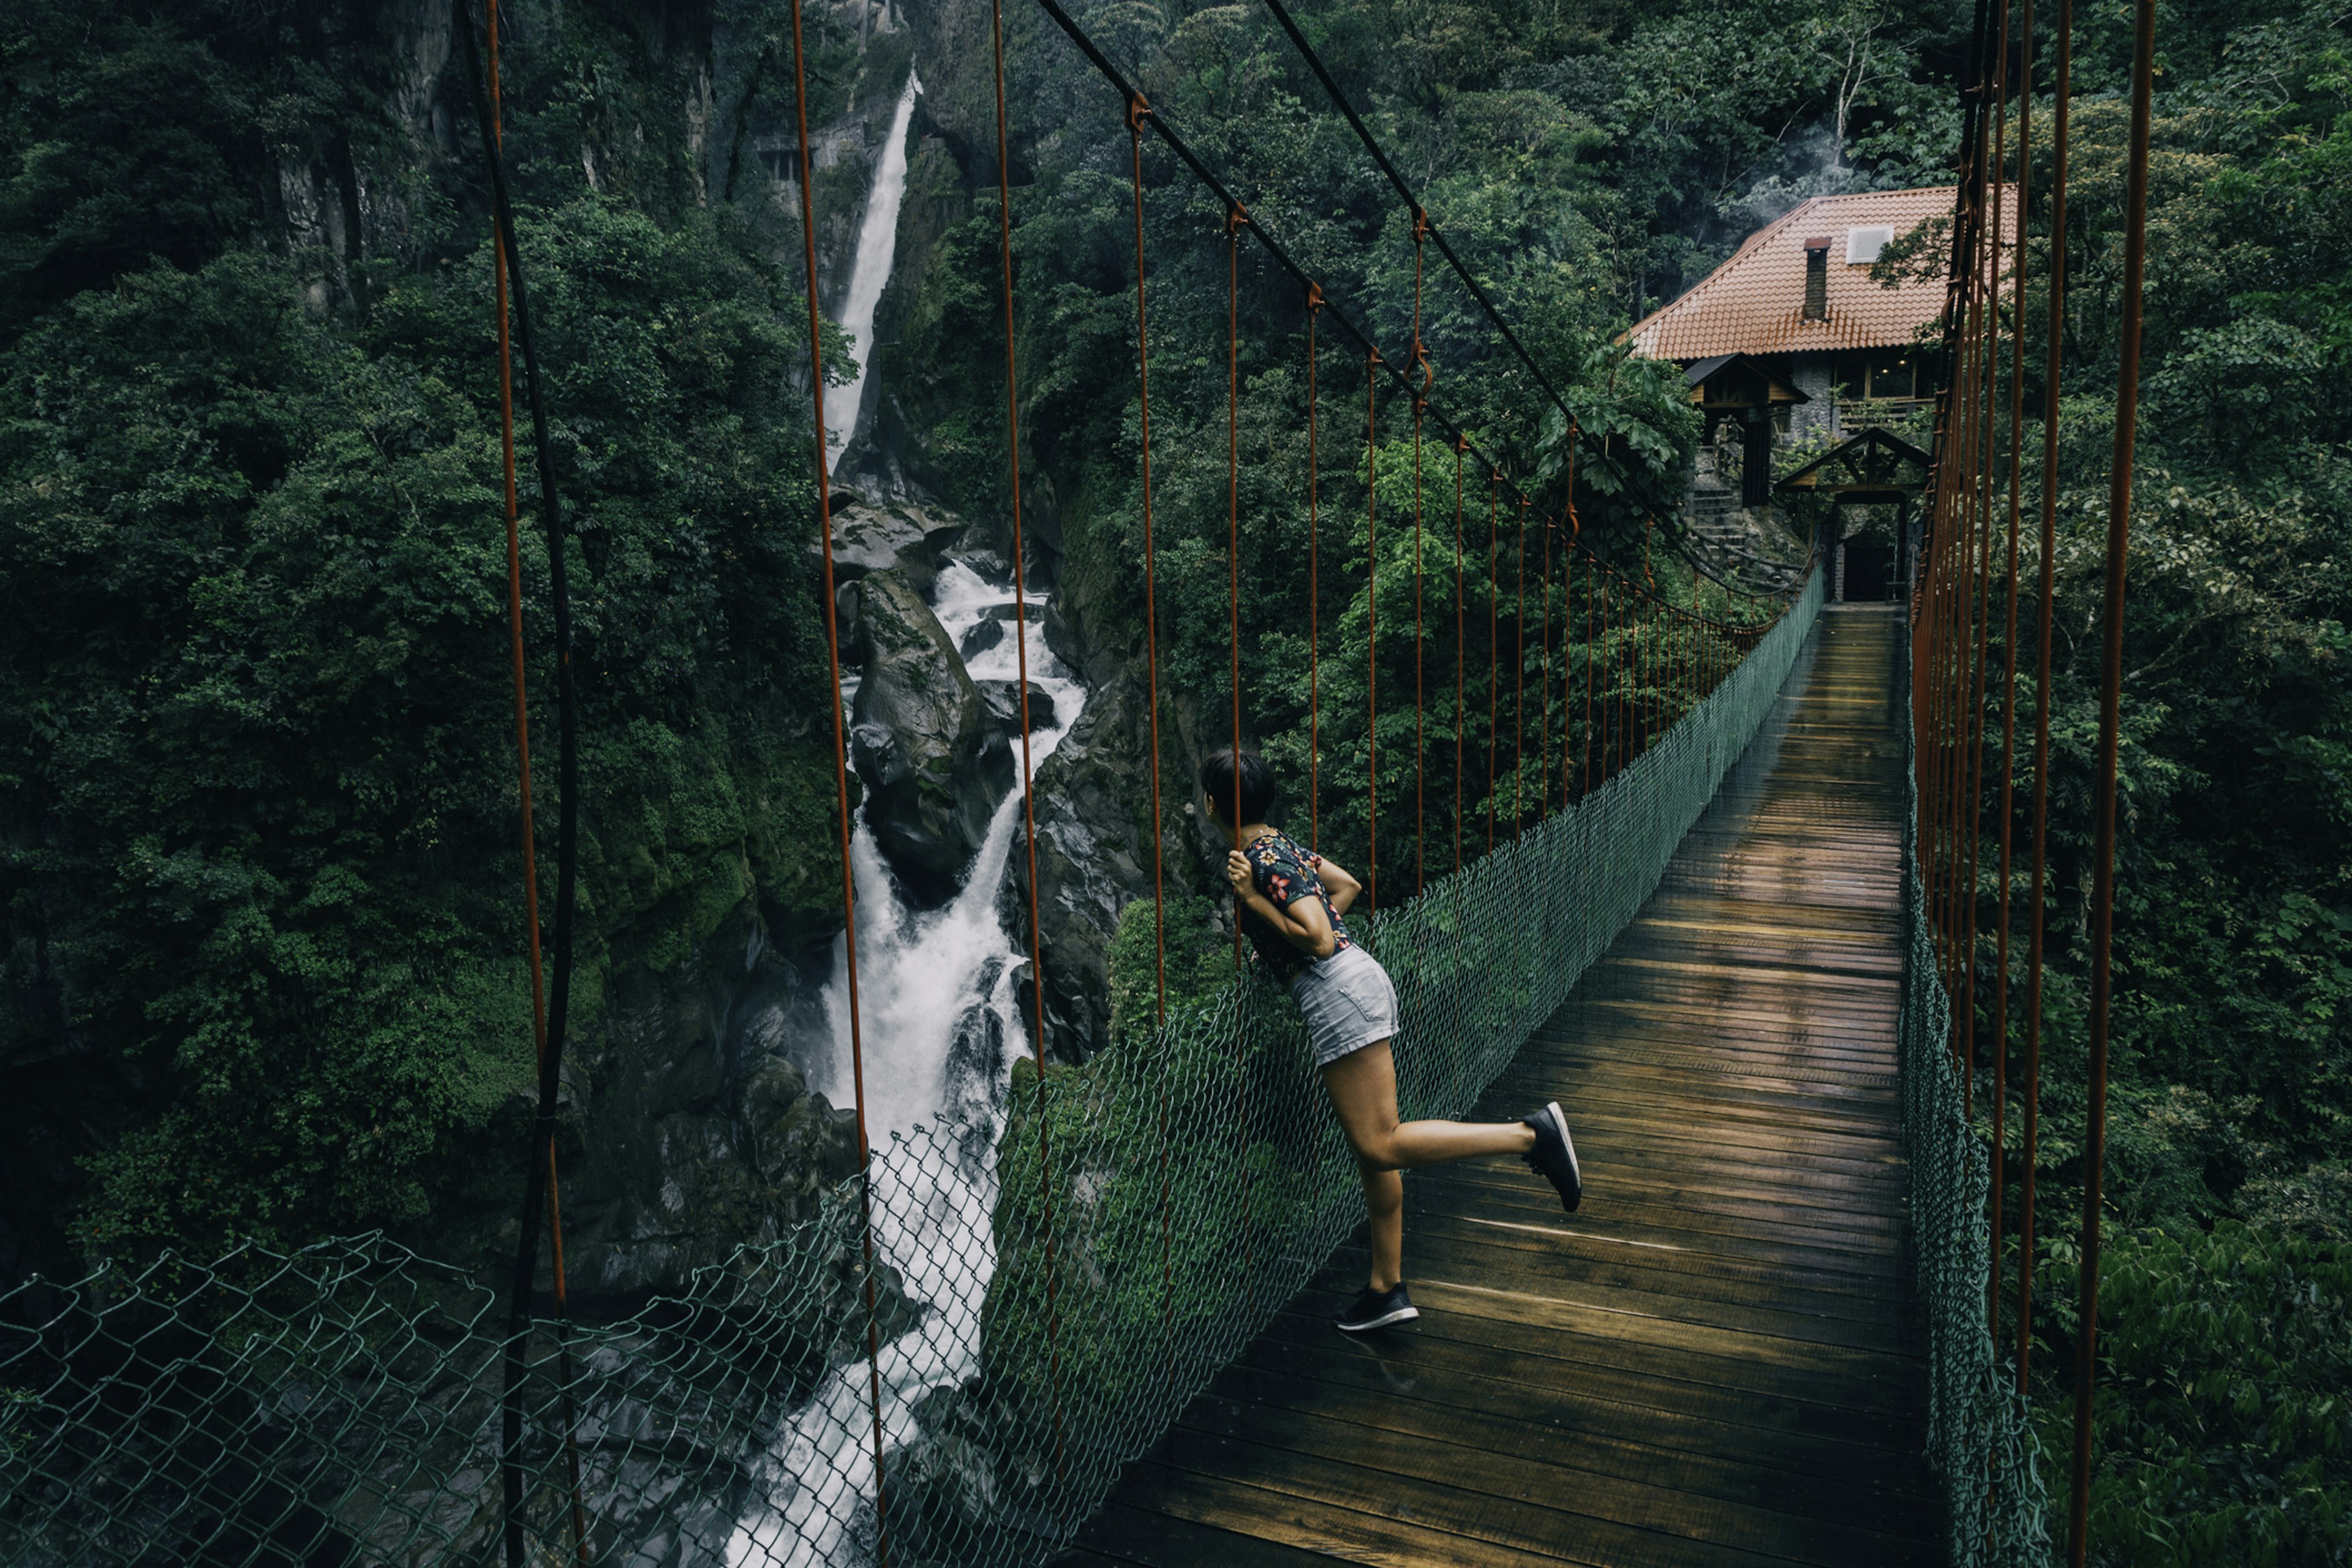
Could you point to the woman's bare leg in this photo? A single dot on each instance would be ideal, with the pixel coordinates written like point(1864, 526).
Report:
point(1362, 1087)
point(1384, 1206)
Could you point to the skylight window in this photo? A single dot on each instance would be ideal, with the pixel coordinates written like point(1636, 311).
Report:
point(1863, 245)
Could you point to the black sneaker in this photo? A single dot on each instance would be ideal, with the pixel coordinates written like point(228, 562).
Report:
point(1554, 1156)
point(1377, 1310)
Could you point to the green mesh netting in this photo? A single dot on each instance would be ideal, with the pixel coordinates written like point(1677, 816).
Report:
point(1046, 1298)
point(1977, 1435)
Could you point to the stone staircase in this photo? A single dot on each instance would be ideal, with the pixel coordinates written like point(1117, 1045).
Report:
point(1749, 547)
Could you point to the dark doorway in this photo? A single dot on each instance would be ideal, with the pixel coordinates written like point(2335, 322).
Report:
point(1869, 571)
point(1756, 459)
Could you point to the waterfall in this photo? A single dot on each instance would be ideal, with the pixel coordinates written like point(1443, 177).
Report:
point(940, 1028)
point(877, 247)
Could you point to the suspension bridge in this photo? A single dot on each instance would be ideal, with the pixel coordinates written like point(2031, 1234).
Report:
point(1717, 1359)
point(1733, 893)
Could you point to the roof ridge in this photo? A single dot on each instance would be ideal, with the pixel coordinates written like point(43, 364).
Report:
point(1753, 241)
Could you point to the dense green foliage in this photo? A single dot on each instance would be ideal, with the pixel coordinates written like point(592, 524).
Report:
point(263, 857)
point(2224, 1422)
point(2227, 1209)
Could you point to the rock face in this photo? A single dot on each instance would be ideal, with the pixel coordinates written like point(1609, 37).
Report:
point(1094, 853)
point(932, 755)
point(868, 537)
point(702, 1132)
point(687, 1123)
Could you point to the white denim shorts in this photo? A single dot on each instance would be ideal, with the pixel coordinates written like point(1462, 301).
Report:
point(1349, 1002)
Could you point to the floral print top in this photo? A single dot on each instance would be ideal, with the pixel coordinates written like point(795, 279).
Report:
point(1284, 873)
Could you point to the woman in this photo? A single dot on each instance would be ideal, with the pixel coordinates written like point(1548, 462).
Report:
point(1290, 904)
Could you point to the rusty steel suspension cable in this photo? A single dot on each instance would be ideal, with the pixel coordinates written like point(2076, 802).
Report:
point(1137, 111)
point(2111, 677)
point(1420, 746)
point(1989, 363)
point(2036, 890)
point(1028, 793)
point(1543, 700)
point(1567, 641)
point(1234, 219)
point(2009, 674)
point(1460, 449)
point(1494, 646)
point(1607, 721)
point(1592, 664)
point(1371, 634)
point(1519, 688)
point(1314, 598)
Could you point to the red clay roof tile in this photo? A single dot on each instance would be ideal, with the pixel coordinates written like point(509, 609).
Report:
point(1755, 302)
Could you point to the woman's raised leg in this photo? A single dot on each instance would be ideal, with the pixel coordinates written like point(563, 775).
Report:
point(1362, 1086)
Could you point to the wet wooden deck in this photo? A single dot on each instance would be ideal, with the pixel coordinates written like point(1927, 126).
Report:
point(1716, 1362)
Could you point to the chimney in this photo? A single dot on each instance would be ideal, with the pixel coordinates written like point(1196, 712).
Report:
point(1817, 278)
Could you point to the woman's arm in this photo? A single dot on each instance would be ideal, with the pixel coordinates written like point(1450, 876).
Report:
point(1341, 886)
point(1302, 925)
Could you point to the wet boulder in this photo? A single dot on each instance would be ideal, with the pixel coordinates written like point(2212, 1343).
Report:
point(1004, 699)
point(845, 621)
point(869, 538)
point(934, 759)
point(980, 637)
point(985, 564)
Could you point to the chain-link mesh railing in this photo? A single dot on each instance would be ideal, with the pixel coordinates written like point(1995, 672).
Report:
point(1977, 1437)
point(1047, 1297)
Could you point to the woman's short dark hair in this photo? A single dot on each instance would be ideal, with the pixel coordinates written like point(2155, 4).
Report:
point(1256, 783)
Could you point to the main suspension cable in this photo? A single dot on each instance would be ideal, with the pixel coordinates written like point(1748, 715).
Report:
point(1397, 372)
point(496, 142)
point(1412, 205)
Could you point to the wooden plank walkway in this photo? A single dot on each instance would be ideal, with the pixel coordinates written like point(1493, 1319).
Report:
point(1714, 1362)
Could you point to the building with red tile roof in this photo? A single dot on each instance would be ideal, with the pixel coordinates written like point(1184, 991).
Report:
point(1797, 302)
point(1755, 302)
point(1792, 341)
